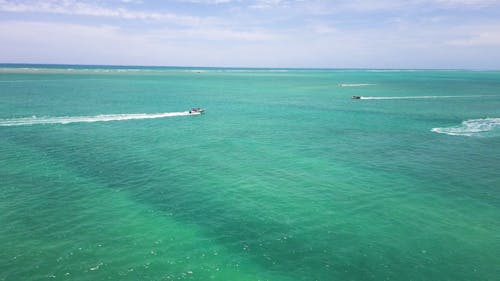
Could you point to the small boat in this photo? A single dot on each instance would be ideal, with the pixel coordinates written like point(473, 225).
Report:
point(356, 97)
point(196, 110)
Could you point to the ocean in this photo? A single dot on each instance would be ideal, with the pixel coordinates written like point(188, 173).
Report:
point(105, 176)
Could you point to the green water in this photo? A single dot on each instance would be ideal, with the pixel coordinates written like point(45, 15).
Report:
point(285, 177)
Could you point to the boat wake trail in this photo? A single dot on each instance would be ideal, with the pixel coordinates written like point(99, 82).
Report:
point(472, 127)
point(88, 119)
point(422, 97)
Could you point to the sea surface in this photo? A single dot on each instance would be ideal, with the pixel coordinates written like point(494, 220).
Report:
point(105, 176)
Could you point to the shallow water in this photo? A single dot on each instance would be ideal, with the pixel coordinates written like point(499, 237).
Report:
point(285, 177)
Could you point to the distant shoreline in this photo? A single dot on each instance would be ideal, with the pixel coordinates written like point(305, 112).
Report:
point(157, 67)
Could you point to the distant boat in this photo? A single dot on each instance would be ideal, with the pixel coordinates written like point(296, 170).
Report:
point(196, 110)
point(356, 97)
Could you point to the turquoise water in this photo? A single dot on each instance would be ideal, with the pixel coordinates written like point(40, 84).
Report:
point(285, 177)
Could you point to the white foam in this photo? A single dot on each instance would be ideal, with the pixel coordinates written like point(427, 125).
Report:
point(97, 266)
point(472, 127)
point(423, 97)
point(355, 84)
point(88, 119)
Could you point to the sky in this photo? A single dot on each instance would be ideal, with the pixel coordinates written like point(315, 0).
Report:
point(409, 34)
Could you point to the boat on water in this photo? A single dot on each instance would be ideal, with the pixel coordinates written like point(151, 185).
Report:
point(197, 110)
point(356, 97)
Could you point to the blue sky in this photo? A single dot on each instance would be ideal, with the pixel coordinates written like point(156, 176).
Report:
point(254, 33)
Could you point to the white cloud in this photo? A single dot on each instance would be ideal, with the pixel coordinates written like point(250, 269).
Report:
point(268, 4)
point(466, 3)
point(104, 44)
point(209, 46)
point(250, 39)
point(132, 1)
point(211, 34)
point(323, 29)
point(406, 7)
point(71, 7)
point(483, 36)
point(208, 1)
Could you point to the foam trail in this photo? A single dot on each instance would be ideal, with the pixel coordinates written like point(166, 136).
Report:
point(423, 97)
point(87, 119)
point(471, 127)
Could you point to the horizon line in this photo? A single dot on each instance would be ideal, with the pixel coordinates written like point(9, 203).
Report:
point(14, 64)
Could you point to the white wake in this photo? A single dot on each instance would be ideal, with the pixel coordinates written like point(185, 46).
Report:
point(471, 127)
point(88, 119)
point(422, 97)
